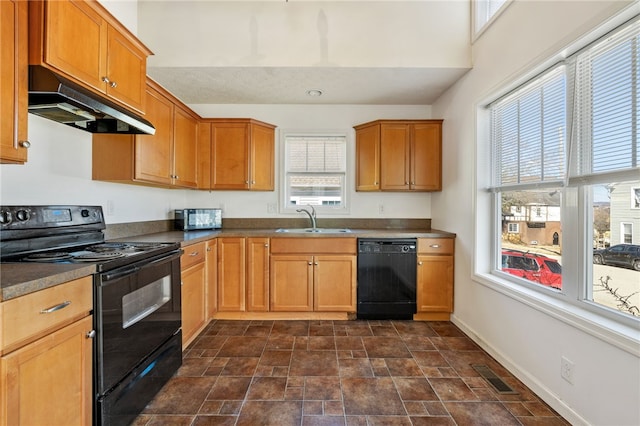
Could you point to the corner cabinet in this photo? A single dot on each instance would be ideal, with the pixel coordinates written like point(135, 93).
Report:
point(241, 153)
point(412, 152)
point(169, 158)
point(82, 41)
point(13, 81)
point(47, 356)
point(435, 278)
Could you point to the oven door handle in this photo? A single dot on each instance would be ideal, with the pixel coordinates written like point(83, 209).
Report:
point(119, 273)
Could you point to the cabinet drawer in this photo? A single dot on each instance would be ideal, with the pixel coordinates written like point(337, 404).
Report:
point(435, 245)
point(193, 254)
point(319, 245)
point(31, 316)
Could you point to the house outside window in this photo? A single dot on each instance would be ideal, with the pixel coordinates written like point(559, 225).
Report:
point(315, 172)
point(513, 228)
point(578, 185)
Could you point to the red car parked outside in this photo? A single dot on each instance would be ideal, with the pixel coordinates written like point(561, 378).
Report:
point(534, 267)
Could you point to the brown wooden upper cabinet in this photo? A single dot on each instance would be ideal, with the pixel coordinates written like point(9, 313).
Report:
point(168, 158)
point(412, 153)
point(81, 40)
point(241, 153)
point(13, 81)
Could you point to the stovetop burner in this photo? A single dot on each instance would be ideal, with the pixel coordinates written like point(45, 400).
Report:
point(48, 257)
point(96, 257)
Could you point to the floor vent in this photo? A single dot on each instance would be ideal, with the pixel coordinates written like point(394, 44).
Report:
point(493, 379)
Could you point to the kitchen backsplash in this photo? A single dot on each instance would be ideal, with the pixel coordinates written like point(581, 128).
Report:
point(122, 230)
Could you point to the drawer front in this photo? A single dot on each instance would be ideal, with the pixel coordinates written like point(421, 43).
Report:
point(318, 245)
point(34, 315)
point(193, 254)
point(435, 245)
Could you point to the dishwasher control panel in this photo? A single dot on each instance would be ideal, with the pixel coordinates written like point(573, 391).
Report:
point(386, 245)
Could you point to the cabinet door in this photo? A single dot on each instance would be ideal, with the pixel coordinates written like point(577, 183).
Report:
point(395, 150)
point(204, 155)
point(48, 382)
point(13, 81)
point(335, 283)
point(230, 156)
point(211, 289)
point(231, 274)
point(257, 274)
point(426, 157)
point(368, 159)
point(193, 302)
point(262, 158)
point(76, 41)
point(153, 152)
point(291, 283)
point(185, 150)
point(126, 70)
point(435, 284)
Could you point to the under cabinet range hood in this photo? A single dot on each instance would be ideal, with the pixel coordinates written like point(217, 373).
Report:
point(58, 99)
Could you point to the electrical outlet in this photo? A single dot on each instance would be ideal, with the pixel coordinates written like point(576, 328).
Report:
point(381, 208)
point(566, 369)
point(111, 209)
point(271, 207)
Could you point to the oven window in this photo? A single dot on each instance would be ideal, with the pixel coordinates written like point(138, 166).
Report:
point(144, 301)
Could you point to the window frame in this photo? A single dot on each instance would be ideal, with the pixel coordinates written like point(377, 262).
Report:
point(283, 206)
point(572, 304)
point(479, 21)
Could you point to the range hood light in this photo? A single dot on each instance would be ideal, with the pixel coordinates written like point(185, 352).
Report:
point(314, 93)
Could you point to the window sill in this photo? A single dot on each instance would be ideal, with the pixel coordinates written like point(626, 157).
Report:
point(622, 336)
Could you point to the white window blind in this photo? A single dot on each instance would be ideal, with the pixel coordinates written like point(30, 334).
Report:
point(316, 154)
point(606, 110)
point(528, 133)
point(315, 171)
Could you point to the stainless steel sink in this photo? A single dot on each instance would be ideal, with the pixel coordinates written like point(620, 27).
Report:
point(314, 230)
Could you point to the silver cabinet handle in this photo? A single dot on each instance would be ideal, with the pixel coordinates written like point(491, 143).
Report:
point(310, 263)
point(91, 334)
point(56, 307)
point(419, 263)
point(435, 246)
point(195, 253)
point(24, 144)
point(113, 84)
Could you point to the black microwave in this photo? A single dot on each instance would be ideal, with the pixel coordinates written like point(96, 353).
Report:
point(194, 219)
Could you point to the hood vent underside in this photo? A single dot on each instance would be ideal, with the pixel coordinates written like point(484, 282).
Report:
point(58, 99)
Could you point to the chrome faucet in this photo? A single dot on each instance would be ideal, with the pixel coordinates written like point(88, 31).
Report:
point(312, 215)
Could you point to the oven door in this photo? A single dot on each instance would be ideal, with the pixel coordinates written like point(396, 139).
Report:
point(137, 310)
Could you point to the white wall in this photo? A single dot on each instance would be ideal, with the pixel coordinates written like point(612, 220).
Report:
point(528, 338)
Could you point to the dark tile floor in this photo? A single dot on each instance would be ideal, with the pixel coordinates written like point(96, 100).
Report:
point(339, 373)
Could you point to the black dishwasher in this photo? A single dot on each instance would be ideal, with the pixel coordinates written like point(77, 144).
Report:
point(386, 278)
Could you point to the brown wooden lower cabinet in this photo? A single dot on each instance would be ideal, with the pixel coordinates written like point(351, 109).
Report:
point(46, 364)
point(257, 274)
point(193, 291)
point(231, 274)
point(435, 278)
point(48, 382)
point(211, 290)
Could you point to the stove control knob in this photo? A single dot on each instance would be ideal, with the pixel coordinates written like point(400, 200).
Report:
point(84, 213)
point(5, 218)
point(23, 215)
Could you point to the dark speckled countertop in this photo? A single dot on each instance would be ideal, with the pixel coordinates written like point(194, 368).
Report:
point(18, 279)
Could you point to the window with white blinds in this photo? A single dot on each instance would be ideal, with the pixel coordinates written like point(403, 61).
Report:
point(528, 133)
point(607, 94)
point(566, 143)
point(315, 171)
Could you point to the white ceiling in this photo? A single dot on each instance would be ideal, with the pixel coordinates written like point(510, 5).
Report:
point(355, 52)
